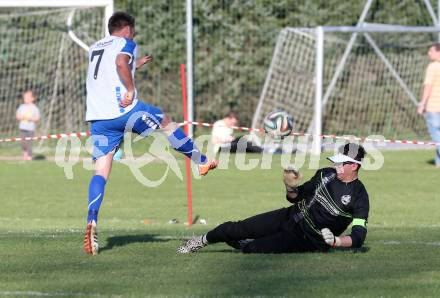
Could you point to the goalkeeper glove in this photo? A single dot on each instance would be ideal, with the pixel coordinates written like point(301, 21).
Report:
point(291, 179)
point(329, 238)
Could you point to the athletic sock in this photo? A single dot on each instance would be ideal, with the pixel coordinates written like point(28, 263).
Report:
point(182, 143)
point(96, 194)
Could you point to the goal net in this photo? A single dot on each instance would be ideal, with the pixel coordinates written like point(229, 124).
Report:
point(43, 50)
point(371, 80)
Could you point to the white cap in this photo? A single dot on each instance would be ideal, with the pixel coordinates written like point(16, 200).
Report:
point(340, 158)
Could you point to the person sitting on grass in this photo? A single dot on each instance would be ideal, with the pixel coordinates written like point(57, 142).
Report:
point(223, 139)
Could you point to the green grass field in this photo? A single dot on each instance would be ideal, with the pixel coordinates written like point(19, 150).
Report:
point(42, 218)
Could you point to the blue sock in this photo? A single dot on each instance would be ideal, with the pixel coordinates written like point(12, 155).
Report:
point(96, 194)
point(182, 143)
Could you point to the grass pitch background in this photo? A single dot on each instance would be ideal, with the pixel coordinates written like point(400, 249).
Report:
point(42, 219)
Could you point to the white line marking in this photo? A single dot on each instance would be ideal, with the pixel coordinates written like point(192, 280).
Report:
point(48, 294)
point(108, 234)
point(410, 242)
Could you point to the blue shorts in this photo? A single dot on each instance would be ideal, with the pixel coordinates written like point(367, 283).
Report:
point(107, 135)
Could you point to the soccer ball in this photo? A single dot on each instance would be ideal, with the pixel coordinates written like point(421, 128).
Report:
point(278, 124)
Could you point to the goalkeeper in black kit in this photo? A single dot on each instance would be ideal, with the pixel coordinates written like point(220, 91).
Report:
point(322, 209)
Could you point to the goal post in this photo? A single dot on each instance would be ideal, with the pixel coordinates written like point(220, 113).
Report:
point(362, 80)
point(107, 4)
point(43, 49)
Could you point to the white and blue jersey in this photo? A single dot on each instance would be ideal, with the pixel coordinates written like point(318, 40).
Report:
point(105, 90)
point(104, 87)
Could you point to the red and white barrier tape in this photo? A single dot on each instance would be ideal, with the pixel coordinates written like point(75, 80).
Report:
point(204, 124)
point(46, 137)
point(414, 142)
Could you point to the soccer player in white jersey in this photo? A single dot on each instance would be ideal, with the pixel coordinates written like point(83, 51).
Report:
point(112, 103)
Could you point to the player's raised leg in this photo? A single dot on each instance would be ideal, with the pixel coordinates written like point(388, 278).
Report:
point(185, 145)
point(150, 118)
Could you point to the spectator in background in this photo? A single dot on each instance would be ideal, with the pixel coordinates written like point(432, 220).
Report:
point(28, 114)
point(222, 135)
point(430, 103)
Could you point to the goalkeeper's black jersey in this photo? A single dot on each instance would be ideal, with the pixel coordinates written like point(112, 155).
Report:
point(327, 202)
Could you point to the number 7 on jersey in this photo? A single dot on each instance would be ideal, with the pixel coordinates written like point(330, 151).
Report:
point(98, 53)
